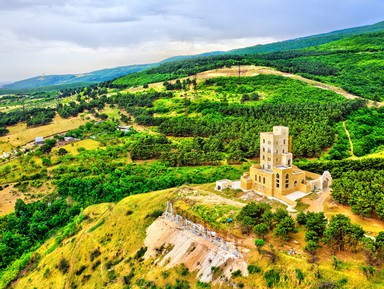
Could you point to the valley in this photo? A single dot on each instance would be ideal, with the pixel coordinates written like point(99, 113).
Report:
point(86, 207)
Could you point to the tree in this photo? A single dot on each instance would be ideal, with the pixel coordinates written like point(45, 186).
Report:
point(259, 243)
point(311, 248)
point(299, 275)
point(261, 230)
point(283, 228)
point(272, 277)
point(62, 151)
point(301, 218)
point(340, 233)
point(252, 214)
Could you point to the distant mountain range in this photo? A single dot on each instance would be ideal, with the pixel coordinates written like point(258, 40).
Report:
point(57, 82)
point(73, 80)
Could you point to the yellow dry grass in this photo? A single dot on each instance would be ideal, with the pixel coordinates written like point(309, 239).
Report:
point(8, 197)
point(20, 135)
point(118, 231)
point(88, 144)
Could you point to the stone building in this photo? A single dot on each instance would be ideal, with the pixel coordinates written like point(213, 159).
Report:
point(276, 176)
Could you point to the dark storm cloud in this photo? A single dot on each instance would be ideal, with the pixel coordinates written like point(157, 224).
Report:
point(45, 36)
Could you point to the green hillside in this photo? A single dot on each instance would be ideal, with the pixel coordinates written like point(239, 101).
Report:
point(309, 41)
point(355, 64)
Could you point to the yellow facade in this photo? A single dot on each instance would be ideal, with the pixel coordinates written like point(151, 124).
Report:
point(276, 176)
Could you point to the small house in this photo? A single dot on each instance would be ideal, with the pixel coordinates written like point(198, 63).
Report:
point(223, 184)
point(39, 140)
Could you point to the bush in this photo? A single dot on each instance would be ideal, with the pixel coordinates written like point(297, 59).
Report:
point(63, 265)
point(236, 273)
point(272, 277)
point(140, 253)
point(253, 269)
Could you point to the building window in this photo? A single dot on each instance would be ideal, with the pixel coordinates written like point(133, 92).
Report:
point(269, 142)
point(286, 181)
point(269, 150)
point(269, 167)
point(284, 141)
point(277, 181)
point(263, 149)
point(277, 159)
point(263, 157)
point(263, 140)
point(269, 159)
point(255, 178)
point(295, 184)
point(259, 179)
point(263, 180)
point(289, 162)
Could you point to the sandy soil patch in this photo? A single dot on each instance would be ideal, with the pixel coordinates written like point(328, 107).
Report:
point(8, 197)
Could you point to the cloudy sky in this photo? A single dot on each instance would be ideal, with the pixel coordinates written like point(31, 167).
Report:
point(73, 36)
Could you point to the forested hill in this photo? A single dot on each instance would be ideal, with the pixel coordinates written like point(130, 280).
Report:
point(309, 41)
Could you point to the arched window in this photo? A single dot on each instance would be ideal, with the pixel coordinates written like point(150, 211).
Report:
point(295, 184)
point(259, 179)
point(287, 181)
point(284, 141)
point(277, 180)
point(263, 180)
point(289, 162)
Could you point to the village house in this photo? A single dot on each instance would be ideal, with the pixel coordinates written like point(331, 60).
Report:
point(39, 140)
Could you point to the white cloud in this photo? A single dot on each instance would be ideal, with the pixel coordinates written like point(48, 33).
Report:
point(44, 36)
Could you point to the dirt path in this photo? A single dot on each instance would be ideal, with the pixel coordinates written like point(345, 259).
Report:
point(317, 205)
point(349, 139)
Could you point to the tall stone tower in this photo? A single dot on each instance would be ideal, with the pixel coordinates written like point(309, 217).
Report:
point(274, 148)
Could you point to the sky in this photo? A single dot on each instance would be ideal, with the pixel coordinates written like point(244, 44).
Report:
point(41, 37)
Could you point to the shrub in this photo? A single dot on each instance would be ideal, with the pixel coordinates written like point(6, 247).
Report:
point(236, 273)
point(63, 265)
point(254, 269)
point(272, 277)
point(140, 253)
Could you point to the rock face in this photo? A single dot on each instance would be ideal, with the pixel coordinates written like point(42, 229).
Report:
point(170, 244)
